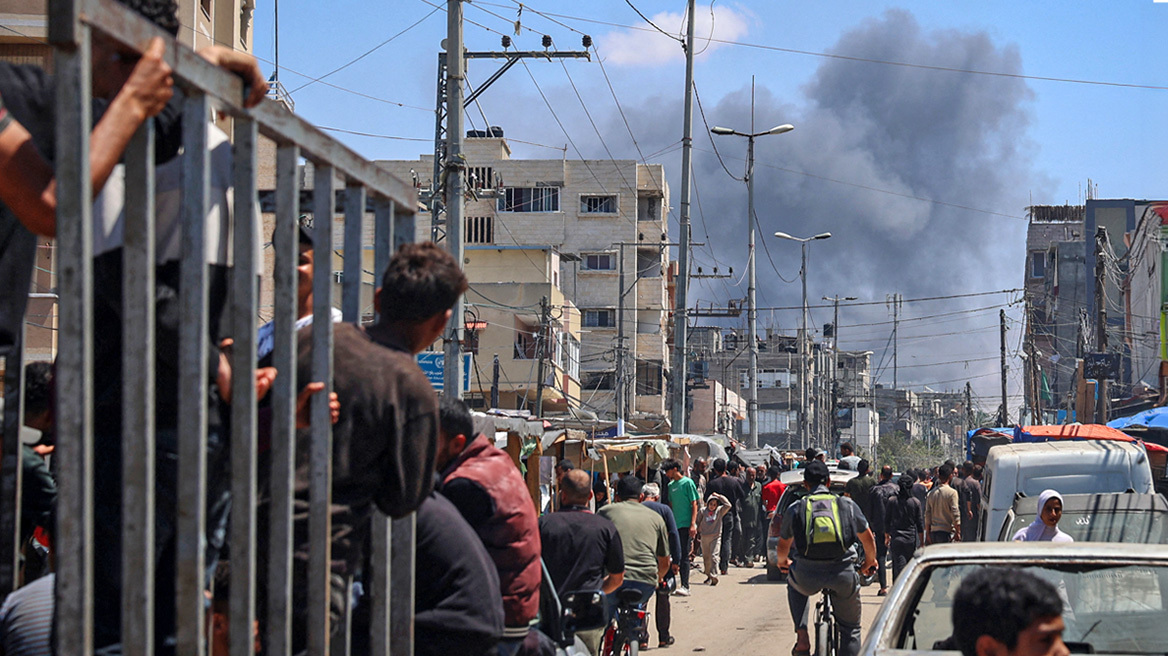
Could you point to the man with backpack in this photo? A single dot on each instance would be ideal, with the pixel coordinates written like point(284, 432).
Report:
point(825, 529)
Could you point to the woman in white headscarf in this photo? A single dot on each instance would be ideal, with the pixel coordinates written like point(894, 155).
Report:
point(1045, 526)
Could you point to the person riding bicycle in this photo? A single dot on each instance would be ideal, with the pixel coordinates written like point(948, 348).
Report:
point(825, 529)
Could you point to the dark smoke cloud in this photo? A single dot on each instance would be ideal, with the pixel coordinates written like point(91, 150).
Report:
point(955, 137)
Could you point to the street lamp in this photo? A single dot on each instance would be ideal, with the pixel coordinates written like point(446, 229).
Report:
point(752, 401)
point(803, 427)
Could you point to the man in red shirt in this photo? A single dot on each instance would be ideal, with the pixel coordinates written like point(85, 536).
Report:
point(772, 491)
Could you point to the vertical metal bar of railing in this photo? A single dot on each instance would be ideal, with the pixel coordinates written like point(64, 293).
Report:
point(401, 571)
point(73, 616)
point(351, 313)
point(11, 472)
point(193, 376)
point(138, 444)
point(402, 531)
point(379, 583)
point(283, 441)
point(352, 276)
point(320, 451)
point(244, 299)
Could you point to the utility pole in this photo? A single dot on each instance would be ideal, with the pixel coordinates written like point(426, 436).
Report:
point(1100, 321)
point(541, 349)
point(1005, 408)
point(751, 304)
point(895, 302)
point(969, 406)
point(835, 301)
point(621, 394)
point(455, 166)
point(450, 164)
point(495, 383)
point(677, 414)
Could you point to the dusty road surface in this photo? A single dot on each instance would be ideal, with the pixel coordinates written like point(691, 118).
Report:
point(743, 614)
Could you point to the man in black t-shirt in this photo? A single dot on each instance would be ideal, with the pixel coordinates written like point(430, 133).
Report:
point(581, 551)
point(731, 488)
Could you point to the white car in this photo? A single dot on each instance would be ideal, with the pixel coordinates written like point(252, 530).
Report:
point(1116, 598)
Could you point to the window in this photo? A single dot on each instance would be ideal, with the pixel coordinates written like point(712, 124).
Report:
point(599, 380)
point(774, 378)
point(600, 318)
point(598, 204)
point(206, 5)
point(568, 355)
point(479, 230)
point(648, 378)
point(1037, 264)
point(647, 208)
point(530, 199)
point(600, 262)
point(526, 340)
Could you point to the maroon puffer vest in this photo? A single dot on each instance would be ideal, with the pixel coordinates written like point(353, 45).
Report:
point(511, 536)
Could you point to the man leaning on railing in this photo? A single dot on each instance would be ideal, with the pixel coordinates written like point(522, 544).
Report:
point(129, 88)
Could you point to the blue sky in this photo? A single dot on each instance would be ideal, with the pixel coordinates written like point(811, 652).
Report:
point(982, 146)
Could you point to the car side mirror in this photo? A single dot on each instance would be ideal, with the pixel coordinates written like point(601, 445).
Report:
point(583, 611)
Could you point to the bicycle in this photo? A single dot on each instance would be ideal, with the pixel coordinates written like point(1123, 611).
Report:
point(827, 637)
point(827, 633)
point(622, 638)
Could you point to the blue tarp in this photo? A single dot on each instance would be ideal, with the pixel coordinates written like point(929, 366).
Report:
point(1154, 418)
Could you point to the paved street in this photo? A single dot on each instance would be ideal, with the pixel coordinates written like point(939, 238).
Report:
point(744, 613)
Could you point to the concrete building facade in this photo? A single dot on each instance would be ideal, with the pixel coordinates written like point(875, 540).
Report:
point(1055, 294)
point(584, 210)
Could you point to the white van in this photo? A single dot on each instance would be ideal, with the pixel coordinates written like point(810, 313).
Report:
point(1013, 471)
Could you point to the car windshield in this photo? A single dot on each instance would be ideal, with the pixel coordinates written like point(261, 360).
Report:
point(1110, 609)
point(1134, 526)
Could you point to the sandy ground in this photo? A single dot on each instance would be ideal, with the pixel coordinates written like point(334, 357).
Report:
point(744, 613)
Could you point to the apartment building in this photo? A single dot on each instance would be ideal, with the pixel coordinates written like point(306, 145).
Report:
point(1056, 293)
point(511, 325)
point(605, 219)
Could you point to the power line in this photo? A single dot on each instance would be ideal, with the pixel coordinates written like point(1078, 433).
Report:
point(364, 54)
point(646, 19)
point(907, 300)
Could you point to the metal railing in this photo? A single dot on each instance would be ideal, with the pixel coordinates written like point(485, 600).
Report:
point(367, 188)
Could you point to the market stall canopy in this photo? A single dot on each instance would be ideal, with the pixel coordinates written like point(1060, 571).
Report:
point(755, 457)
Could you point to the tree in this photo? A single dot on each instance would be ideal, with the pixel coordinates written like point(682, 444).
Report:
point(903, 452)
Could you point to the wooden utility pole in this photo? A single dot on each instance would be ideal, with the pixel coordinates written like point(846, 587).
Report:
point(1005, 408)
point(1100, 320)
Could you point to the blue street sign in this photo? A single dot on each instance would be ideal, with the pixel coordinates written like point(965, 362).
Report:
point(432, 363)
